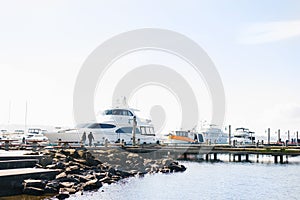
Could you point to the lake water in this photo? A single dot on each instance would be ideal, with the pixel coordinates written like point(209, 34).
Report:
point(209, 181)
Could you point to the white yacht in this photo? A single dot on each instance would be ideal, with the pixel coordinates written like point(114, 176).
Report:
point(214, 135)
point(243, 136)
point(116, 126)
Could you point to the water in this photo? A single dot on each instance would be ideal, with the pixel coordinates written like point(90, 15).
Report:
point(209, 181)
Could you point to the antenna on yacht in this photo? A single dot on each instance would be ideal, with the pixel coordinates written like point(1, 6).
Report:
point(124, 102)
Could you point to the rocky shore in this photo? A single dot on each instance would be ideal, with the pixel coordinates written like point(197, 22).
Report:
point(79, 170)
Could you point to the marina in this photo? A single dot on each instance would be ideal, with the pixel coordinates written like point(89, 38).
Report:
point(17, 166)
point(149, 100)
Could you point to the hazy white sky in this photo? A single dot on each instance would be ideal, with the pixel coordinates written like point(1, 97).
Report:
point(254, 44)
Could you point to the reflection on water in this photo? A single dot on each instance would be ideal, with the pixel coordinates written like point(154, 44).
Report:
point(210, 181)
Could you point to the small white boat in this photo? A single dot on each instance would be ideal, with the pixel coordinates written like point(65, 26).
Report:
point(243, 136)
point(214, 135)
point(32, 135)
point(209, 134)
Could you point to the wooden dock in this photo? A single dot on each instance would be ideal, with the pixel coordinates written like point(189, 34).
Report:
point(279, 153)
point(15, 167)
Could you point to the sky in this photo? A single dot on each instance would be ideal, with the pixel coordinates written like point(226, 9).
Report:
point(254, 45)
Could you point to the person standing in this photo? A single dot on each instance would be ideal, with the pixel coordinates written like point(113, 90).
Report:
point(83, 138)
point(91, 138)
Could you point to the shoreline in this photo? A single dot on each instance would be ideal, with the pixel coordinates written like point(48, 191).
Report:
point(80, 170)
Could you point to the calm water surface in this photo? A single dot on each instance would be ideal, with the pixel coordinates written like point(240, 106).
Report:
point(209, 181)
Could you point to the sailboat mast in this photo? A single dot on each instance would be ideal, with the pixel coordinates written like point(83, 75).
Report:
point(25, 118)
point(9, 111)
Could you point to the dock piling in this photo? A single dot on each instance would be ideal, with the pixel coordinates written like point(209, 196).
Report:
point(229, 136)
point(206, 157)
point(269, 135)
point(247, 157)
point(239, 157)
point(275, 159)
point(215, 156)
point(281, 159)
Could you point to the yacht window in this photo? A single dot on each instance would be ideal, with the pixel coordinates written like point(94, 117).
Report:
point(108, 112)
point(200, 138)
point(129, 113)
point(98, 125)
point(121, 112)
point(116, 112)
point(127, 130)
point(107, 126)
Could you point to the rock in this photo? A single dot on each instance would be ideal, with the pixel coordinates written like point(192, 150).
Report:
point(111, 171)
point(174, 167)
point(53, 184)
point(82, 179)
point(134, 172)
point(132, 155)
point(63, 195)
point(66, 184)
point(46, 160)
point(60, 155)
point(92, 162)
point(124, 174)
point(166, 162)
point(92, 184)
point(116, 178)
point(33, 191)
point(73, 169)
point(53, 166)
point(70, 190)
point(61, 175)
point(100, 175)
point(50, 190)
point(80, 161)
point(60, 165)
point(73, 178)
point(106, 179)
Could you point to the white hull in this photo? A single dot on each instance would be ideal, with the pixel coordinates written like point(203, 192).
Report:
point(99, 137)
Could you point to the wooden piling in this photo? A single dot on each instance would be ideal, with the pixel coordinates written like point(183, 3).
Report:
point(269, 135)
point(240, 158)
point(229, 137)
point(185, 156)
point(281, 159)
point(279, 135)
point(275, 159)
point(247, 157)
point(215, 156)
